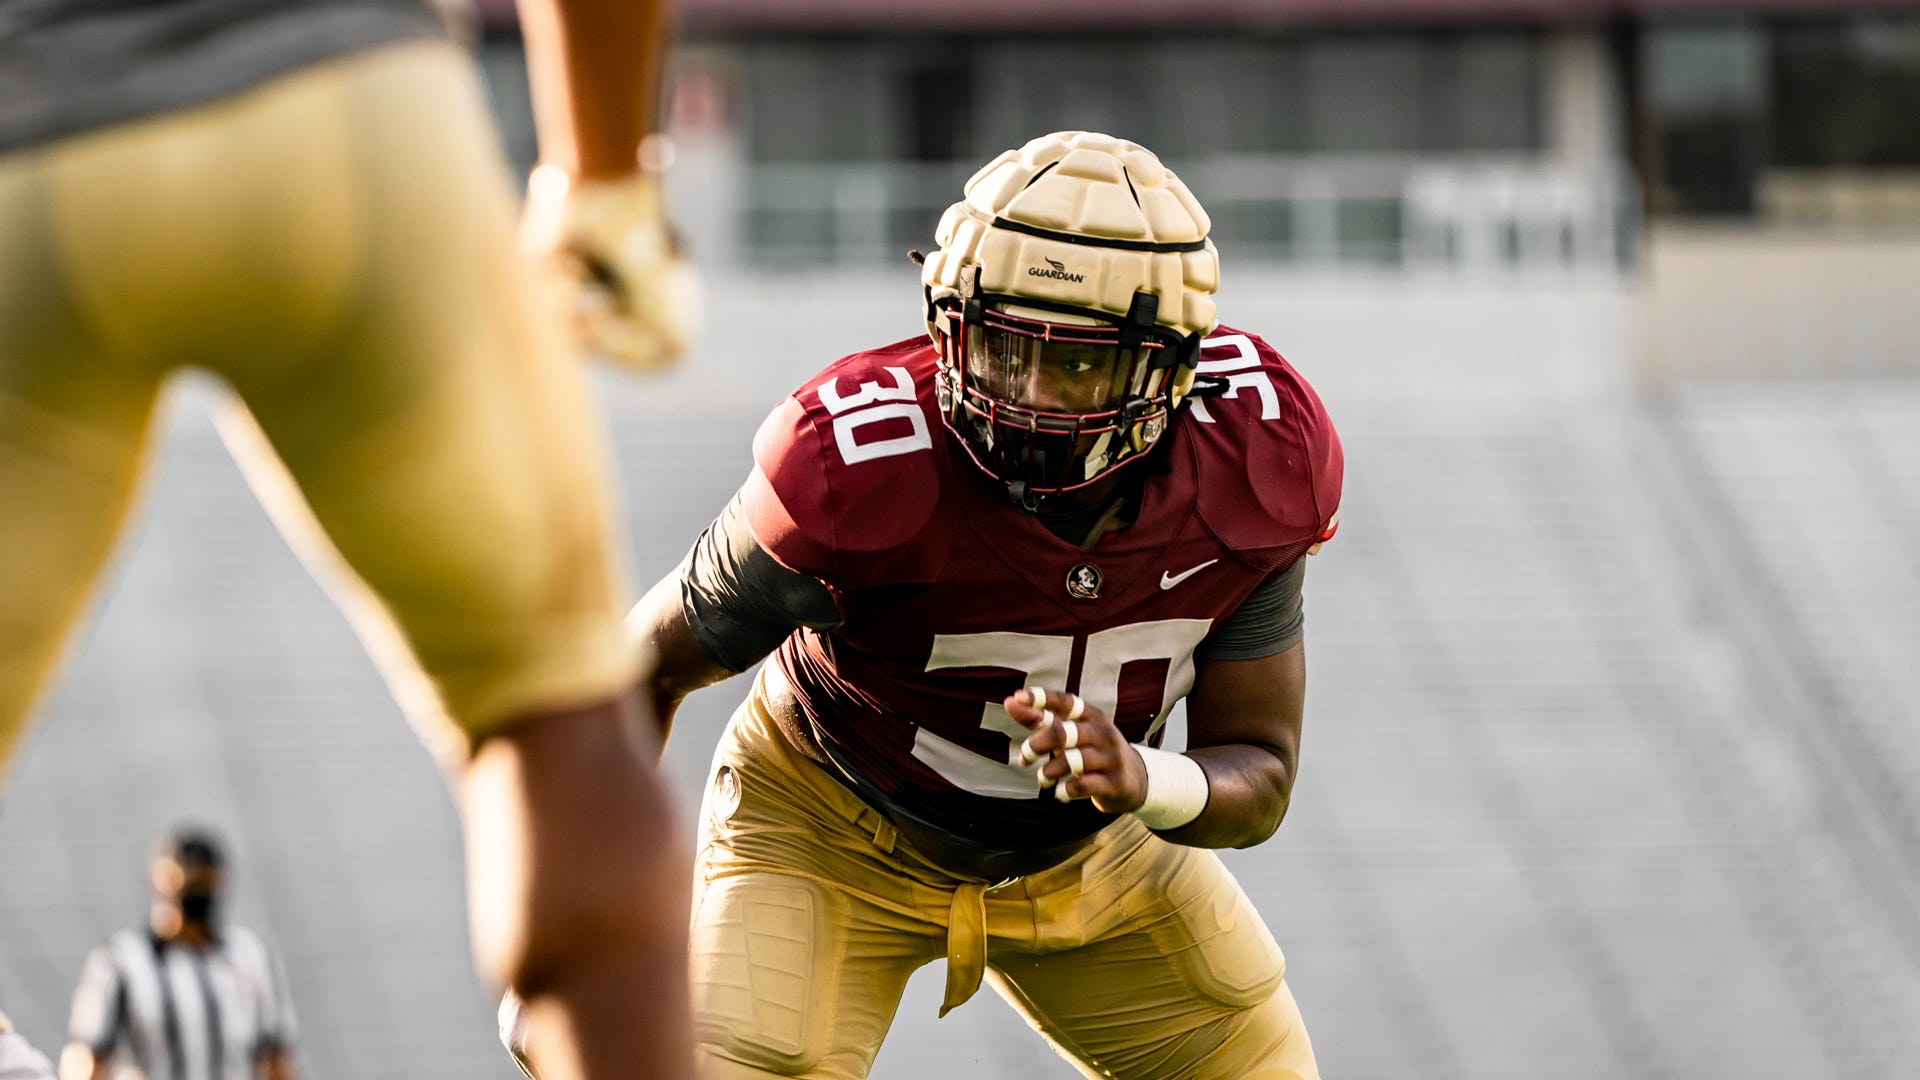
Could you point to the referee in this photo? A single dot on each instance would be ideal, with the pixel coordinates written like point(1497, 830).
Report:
point(183, 998)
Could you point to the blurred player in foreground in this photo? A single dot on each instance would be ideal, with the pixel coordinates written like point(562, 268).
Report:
point(187, 996)
point(991, 559)
point(305, 198)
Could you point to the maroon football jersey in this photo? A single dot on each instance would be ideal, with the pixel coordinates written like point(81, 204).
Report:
point(952, 598)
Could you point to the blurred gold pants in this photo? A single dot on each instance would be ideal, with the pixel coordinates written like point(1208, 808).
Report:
point(338, 246)
point(1135, 958)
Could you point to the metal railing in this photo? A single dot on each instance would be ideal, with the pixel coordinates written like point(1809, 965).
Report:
point(1470, 212)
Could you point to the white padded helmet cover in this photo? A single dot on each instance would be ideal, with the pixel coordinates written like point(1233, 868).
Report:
point(1090, 186)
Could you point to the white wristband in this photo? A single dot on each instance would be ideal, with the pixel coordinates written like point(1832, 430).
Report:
point(1176, 789)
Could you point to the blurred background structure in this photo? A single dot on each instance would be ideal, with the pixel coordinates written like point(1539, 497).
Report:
point(1612, 763)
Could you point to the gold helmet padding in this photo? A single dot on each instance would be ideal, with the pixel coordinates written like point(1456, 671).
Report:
point(1083, 220)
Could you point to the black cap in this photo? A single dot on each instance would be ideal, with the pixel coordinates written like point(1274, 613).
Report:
point(192, 844)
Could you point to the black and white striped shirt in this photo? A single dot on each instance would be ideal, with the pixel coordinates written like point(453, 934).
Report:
point(180, 1011)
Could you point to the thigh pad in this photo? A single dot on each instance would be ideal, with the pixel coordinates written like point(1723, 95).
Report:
point(1218, 944)
point(766, 953)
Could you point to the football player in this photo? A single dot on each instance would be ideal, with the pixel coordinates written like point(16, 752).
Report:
point(988, 561)
point(305, 198)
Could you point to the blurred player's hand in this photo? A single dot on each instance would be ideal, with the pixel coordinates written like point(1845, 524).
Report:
point(1085, 756)
point(632, 297)
point(513, 1030)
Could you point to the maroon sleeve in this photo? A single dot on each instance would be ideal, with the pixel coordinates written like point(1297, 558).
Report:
point(848, 470)
point(1271, 457)
point(787, 501)
point(1326, 461)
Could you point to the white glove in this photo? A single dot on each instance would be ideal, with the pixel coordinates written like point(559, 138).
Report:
point(633, 298)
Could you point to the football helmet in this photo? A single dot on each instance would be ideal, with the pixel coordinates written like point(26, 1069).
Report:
point(1071, 289)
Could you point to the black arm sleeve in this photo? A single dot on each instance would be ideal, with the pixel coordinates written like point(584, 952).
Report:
point(740, 603)
point(1269, 621)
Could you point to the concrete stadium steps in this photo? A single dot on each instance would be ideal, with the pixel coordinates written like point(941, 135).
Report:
point(1822, 485)
point(1525, 873)
point(1799, 505)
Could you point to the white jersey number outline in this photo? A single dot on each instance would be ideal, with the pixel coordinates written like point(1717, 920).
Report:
point(871, 403)
point(1242, 370)
point(1044, 659)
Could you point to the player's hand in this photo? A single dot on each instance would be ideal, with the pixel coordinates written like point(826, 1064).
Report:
point(632, 297)
point(513, 1030)
point(1084, 754)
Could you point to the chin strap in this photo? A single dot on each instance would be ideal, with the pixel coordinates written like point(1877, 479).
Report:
point(1021, 491)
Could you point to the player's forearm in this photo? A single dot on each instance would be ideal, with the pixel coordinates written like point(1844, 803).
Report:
point(1248, 788)
point(676, 665)
point(594, 67)
point(578, 884)
point(1244, 719)
point(653, 620)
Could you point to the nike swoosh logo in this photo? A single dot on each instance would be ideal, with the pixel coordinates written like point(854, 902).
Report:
point(1168, 581)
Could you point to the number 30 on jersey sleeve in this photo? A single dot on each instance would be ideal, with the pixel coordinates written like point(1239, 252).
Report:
point(876, 403)
point(840, 473)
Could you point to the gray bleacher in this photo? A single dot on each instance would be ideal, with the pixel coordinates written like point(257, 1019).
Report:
point(1610, 752)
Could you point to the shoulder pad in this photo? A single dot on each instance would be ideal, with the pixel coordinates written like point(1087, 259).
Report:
point(1270, 464)
point(850, 465)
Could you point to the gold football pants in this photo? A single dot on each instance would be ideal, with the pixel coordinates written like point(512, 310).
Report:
point(1135, 958)
point(338, 247)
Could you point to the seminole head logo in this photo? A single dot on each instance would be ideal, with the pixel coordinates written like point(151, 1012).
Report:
point(726, 793)
point(1056, 270)
point(1083, 582)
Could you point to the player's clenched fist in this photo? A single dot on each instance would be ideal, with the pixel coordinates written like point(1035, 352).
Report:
point(634, 299)
point(1085, 755)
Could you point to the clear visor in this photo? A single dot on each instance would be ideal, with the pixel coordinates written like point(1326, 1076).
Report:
point(1067, 371)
